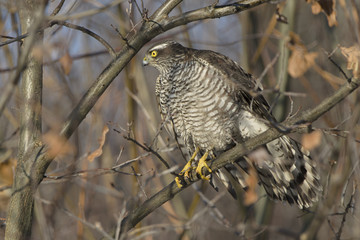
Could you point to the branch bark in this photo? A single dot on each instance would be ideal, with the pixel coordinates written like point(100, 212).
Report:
point(298, 124)
point(20, 209)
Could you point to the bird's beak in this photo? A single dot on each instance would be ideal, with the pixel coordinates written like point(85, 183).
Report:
point(145, 61)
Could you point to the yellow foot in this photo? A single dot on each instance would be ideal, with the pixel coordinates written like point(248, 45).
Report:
point(185, 171)
point(201, 164)
point(179, 182)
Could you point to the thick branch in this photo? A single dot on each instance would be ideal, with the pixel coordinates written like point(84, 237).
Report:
point(20, 209)
point(235, 153)
point(165, 9)
point(210, 12)
point(22, 62)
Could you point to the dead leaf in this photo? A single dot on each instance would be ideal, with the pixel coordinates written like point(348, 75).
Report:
point(300, 61)
point(353, 59)
point(7, 169)
point(57, 145)
point(259, 158)
point(99, 151)
point(326, 6)
point(66, 63)
point(250, 196)
point(311, 140)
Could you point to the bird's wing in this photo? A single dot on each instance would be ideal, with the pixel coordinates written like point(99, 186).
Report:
point(246, 88)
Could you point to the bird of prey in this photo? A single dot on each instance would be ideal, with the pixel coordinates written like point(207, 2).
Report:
point(212, 105)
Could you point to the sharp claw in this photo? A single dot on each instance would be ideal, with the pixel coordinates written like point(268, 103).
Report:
point(184, 174)
point(202, 163)
point(178, 182)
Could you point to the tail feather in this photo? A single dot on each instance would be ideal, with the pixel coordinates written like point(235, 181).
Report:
point(229, 176)
point(288, 173)
point(284, 169)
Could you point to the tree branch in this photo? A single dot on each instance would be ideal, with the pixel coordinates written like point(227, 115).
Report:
point(86, 31)
point(235, 153)
point(211, 12)
point(22, 62)
point(31, 15)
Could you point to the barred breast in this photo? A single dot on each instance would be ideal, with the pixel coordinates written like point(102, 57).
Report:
point(203, 113)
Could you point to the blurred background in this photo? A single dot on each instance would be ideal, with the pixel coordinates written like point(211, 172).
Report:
point(287, 45)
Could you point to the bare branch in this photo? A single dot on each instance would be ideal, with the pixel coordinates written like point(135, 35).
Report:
point(58, 8)
point(22, 63)
point(210, 12)
point(348, 207)
point(87, 31)
point(147, 149)
point(165, 9)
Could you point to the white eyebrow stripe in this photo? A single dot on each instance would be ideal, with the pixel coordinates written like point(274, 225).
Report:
point(158, 47)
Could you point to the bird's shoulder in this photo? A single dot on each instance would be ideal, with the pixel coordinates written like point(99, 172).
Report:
point(226, 67)
point(246, 88)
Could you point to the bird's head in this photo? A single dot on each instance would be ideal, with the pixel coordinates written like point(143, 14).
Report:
point(165, 55)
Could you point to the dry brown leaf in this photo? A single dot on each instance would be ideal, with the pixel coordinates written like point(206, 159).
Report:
point(251, 196)
point(259, 157)
point(300, 61)
point(353, 59)
point(57, 145)
point(99, 151)
point(7, 168)
point(326, 6)
point(311, 140)
point(66, 63)
point(315, 8)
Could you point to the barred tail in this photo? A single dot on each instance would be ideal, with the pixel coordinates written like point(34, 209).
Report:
point(232, 178)
point(288, 173)
point(284, 169)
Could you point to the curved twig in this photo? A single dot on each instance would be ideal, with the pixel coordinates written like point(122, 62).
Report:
point(87, 31)
point(58, 8)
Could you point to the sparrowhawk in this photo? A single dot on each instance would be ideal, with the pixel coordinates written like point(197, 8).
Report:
point(212, 105)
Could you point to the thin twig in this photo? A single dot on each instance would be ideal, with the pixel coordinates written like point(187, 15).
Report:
point(58, 8)
point(147, 149)
point(99, 171)
point(70, 214)
point(87, 13)
point(88, 32)
point(349, 206)
point(337, 65)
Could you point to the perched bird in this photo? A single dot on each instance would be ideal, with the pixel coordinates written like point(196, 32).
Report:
point(212, 105)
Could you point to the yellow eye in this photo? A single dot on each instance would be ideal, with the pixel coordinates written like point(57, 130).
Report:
point(154, 53)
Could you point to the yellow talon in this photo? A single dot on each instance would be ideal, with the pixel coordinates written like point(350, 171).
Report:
point(201, 164)
point(187, 168)
point(178, 182)
point(184, 173)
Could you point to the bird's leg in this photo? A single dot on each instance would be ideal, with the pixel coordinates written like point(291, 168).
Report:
point(201, 164)
point(185, 171)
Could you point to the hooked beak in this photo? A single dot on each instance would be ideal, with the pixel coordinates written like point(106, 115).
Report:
point(145, 61)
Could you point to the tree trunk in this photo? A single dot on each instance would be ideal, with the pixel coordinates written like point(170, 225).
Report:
point(20, 209)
